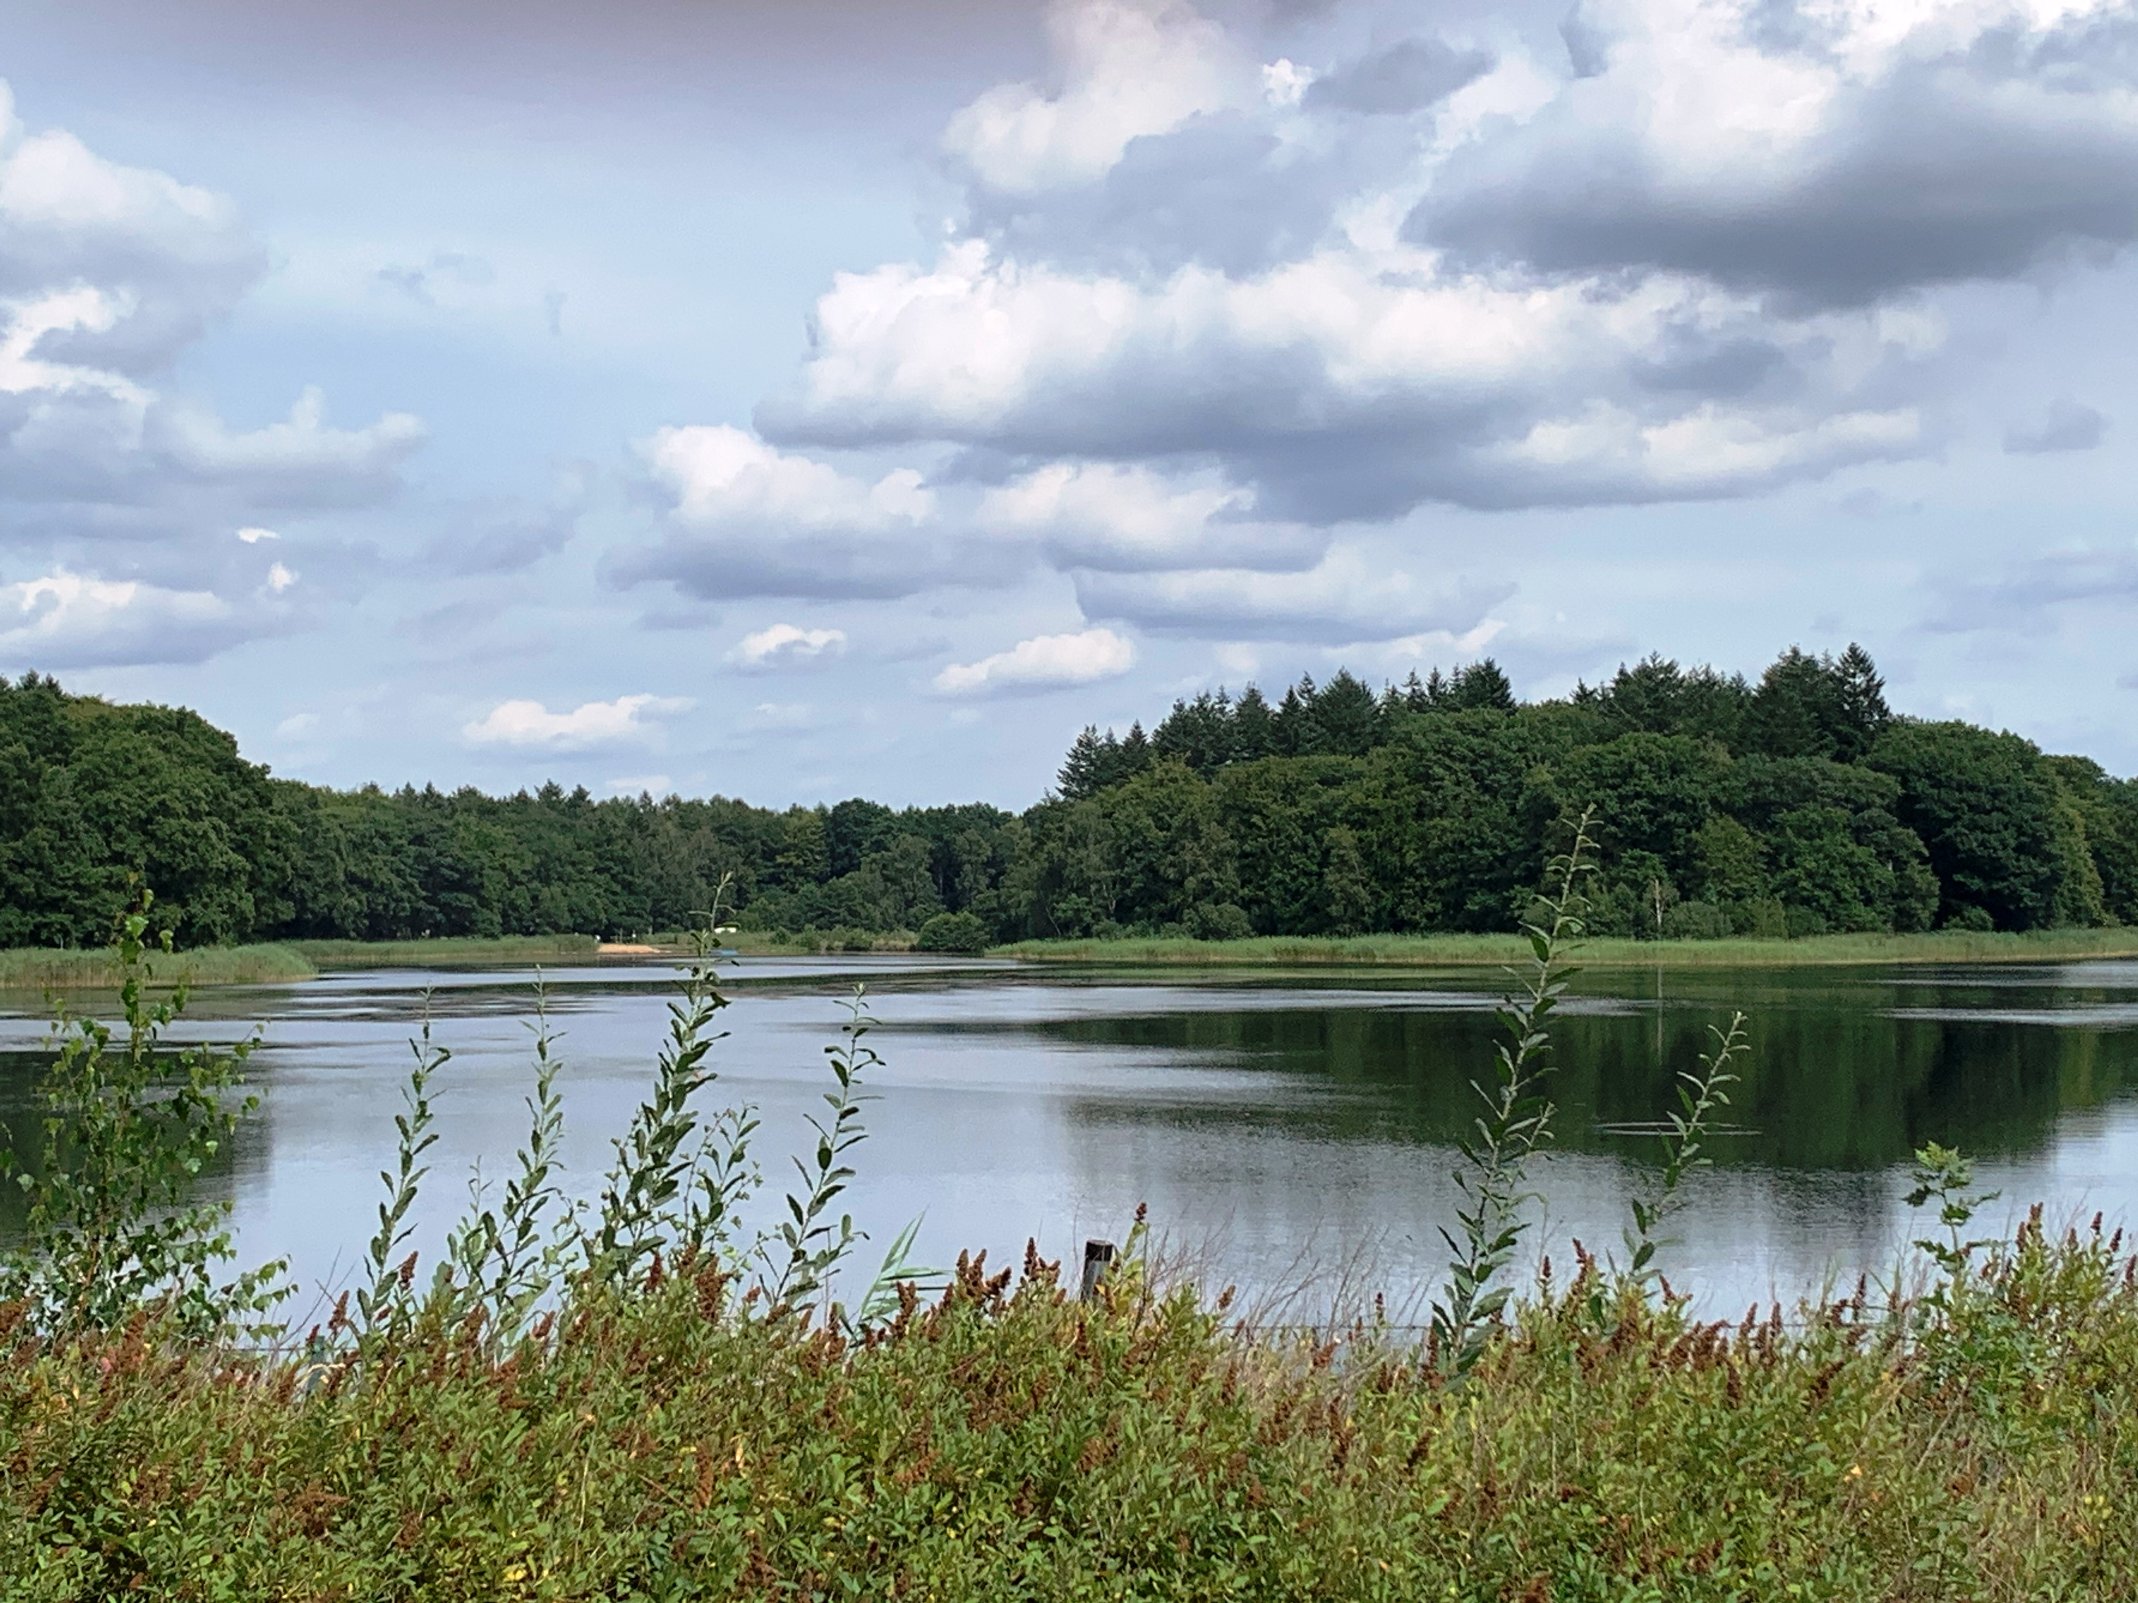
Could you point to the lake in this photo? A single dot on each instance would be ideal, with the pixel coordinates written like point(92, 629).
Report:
point(1286, 1130)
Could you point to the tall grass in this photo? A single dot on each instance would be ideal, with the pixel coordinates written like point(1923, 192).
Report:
point(41, 969)
point(446, 951)
point(1426, 951)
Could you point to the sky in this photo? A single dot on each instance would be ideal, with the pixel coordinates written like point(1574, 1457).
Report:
point(822, 398)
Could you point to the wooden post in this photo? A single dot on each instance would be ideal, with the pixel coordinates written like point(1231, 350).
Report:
point(1098, 1258)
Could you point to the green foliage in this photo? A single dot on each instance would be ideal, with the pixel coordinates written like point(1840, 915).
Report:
point(1700, 1096)
point(674, 1180)
point(954, 932)
point(813, 1243)
point(1985, 807)
point(1797, 805)
point(1006, 1442)
point(1947, 1178)
point(1515, 1124)
point(389, 1299)
point(113, 1230)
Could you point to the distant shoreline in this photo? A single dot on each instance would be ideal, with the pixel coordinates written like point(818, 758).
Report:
point(32, 970)
point(1452, 951)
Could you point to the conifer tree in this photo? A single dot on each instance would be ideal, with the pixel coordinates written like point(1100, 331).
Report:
point(1254, 727)
point(1083, 771)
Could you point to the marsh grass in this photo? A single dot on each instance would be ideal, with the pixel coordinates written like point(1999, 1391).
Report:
point(35, 969)
point(451, 951)
point(1429, 951)
point(39, 969)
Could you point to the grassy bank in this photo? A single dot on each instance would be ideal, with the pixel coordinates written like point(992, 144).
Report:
point(35, 969)
point(447, 951)
point(1007, 1444)
point(1426, 951)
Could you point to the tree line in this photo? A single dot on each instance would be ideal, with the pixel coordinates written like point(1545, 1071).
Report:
point(1793, 805)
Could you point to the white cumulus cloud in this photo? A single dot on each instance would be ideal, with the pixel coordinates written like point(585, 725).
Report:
point(593, 723)
point(1107, 515)
point(786, 645)
point(107, 274)
point(751, 520)
point(1044, 662)
point(300, 458)
point(1123, 69)
point(72, 620)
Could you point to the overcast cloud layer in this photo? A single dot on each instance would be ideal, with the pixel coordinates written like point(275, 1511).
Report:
point(616, 421)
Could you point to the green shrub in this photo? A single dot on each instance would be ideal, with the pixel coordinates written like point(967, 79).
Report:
point(1003, 1442)
point(954, 932)
point(1222, 921)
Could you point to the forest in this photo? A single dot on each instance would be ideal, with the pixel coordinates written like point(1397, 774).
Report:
point(1793, 805)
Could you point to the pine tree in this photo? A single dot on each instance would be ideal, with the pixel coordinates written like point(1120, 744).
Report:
point(1083, 771)
point(1297, 733)
point(1481, 685)
point(1254, 727)
point(1345, 717)
point(1135, 754)
point(1861, 695)
point(1796, 710)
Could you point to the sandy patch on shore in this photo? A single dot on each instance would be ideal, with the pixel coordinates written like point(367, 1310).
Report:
point(626, 949)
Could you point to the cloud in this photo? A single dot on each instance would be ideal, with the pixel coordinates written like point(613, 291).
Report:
point(1344, 388)
point(300, 461)
point(783, 715)
point(2067, 425)
point(167, 256)
point(751, 520)
point(510, 536)
point(625, 720)
point(1833, 154)
point(786, 645)
point(641, 785)
point(2023, 595)
point(1406, 77)
point(107, 274)
point(1123, 69)
point(1697, 253)
point(1099, 515)
point(1045, 662)
point(1346, 600)
point(444, 272)
point(70, 620)
point(253, 536)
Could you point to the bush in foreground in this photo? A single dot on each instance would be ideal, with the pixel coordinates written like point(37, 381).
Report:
point(1003, 1443)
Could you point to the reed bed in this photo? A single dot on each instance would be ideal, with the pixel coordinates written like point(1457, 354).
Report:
point(449, 951)
point(39, 969)
point(1452, 951)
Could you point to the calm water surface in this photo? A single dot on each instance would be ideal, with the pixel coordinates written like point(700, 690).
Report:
point(1281, 1129)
